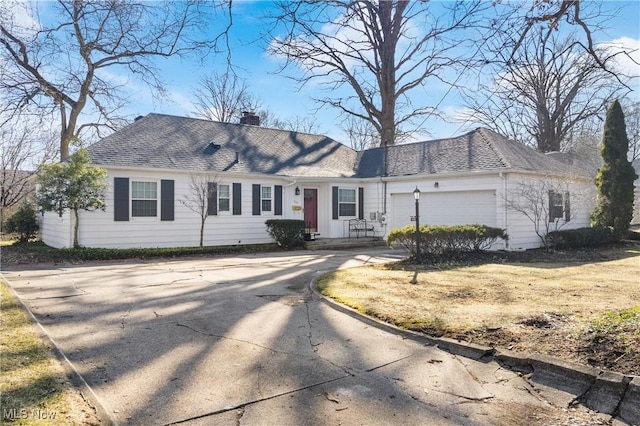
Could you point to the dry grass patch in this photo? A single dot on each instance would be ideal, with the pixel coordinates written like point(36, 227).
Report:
point(546, 307)
point(33, 387)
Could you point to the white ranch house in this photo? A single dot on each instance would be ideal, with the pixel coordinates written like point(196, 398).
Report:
point(259, 173)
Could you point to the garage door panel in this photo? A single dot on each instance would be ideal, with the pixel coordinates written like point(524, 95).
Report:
point(445, 208)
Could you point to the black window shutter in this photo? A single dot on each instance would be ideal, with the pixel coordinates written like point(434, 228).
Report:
point(120, 199)
point(212, 198)
point(237, 199)
point(334, 202)
point(567, 207)
point(360, 203)
point(166, 199)
point(256, 200)
point(277, 189)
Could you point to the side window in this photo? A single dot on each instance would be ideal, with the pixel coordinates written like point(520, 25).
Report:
point(144, 199)
point(559, 206)
point(223, 198)
point(347, 202)
point(265, 198)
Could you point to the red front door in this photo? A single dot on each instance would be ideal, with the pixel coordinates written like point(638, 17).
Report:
point(311, 210)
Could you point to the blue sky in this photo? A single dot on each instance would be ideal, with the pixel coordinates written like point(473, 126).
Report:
point(281, 95)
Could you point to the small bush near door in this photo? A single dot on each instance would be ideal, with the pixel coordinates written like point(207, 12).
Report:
point(287, 233)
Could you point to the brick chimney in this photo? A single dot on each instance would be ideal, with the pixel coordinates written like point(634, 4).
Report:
point(250, 117)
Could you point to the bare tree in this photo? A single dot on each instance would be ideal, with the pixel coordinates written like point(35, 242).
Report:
point(546, 203)
point(24, 147)
point(551, 14)
point(301, 124)
point(378, 52)
point(543, 91)
point(269, 119)
point(68, 63)
point(223, 97)
point(632, 119)
point(362, 135)
point(201, 198)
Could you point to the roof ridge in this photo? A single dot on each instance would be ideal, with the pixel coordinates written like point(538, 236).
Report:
point(260, 126)
point(501, 157)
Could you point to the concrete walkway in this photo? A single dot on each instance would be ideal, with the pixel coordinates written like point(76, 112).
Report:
point(241, 340)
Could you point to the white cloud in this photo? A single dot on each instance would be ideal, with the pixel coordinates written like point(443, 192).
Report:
point(21, 17)
point(628, 59)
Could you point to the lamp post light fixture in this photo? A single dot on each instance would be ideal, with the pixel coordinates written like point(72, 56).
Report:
point(416, 196)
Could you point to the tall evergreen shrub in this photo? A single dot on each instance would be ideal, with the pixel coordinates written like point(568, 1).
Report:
point(614, 181)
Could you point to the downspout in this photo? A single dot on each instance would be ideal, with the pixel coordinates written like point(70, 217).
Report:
point(384, 189)
point(385, 172)
point(506, 210)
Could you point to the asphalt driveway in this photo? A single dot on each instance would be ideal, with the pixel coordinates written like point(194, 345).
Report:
point(242, 340)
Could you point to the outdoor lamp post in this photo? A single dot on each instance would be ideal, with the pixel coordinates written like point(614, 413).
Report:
point(416, 196)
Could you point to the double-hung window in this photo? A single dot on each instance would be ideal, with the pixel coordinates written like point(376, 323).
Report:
point(265, 198)
point(144, 199)
point(559, 206)
point(223, 198)
point(347, 202)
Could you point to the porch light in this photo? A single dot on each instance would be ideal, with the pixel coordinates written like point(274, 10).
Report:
point(416, 194)
point(297, 191)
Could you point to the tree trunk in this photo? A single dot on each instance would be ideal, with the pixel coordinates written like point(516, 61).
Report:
point(202, 232)
point(75, 229)
point(390, 22)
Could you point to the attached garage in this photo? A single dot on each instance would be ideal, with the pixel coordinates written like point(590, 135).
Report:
point(445, 208)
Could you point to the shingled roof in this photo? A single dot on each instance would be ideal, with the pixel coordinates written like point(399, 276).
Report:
point(478, 150)
point(171, 142)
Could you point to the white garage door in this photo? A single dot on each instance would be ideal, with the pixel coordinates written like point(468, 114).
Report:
point(445, 208)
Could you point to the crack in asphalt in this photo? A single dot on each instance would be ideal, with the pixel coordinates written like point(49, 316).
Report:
point(67, 296)
point(309, 334)
point(237, 340)
point(388, 363)
point(57, 297)
point(125, 316)
point(473, 376)
point(239, 415)
point(243, 405)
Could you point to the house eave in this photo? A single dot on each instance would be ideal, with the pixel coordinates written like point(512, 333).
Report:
point(473, 173)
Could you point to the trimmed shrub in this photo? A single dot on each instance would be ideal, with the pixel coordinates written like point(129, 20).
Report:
point(23, 222)
point(40, 252)
point(437, 240)
point(581, 237)
point(287, 233)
